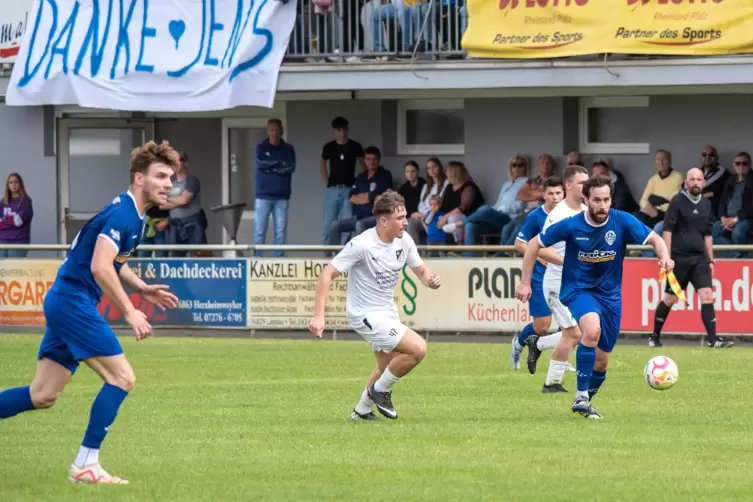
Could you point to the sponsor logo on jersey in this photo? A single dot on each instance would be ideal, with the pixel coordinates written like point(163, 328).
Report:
point(596, 256)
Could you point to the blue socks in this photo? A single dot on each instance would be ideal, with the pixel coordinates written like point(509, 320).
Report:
point(15, 401)
point(584, 363)
point(527, 331)
point(597, 378)
point(104, 410)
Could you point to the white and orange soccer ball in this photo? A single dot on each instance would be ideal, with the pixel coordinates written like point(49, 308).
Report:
point(661, 373)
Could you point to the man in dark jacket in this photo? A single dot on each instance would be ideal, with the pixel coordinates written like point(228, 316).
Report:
point(735, 208)
point(715, 176)
point(368, 185)
point(275, 163)
point(622, 199)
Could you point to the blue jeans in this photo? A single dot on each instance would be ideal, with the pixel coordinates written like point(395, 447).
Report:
point(13, 253)
point(485, 219)
point(387, 12)
point(738, 235)
point(337, 206)
point(347, 226)
point(159, 239)
point(279, 211)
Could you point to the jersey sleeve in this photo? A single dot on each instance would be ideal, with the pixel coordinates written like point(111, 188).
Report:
point(529, 229)
point(554, 233)
point(670, 219)
point(348, 256)
point(633, 229)
point(117, 230)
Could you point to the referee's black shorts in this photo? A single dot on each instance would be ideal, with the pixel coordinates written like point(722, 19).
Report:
point(695, 271)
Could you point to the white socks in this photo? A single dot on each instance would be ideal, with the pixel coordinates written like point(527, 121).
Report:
point(364, 405)
point(517, 344)
point(549, 342)
point(556, 372)
point(386, 381)
point(86, 456)
point(581, 393)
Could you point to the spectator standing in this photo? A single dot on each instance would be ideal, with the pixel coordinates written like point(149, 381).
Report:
point(435, 186)
point(16, 213)
point(339, 160)
point(187, 223)
point(367, 186)
point(275, 164)
point(735, 208)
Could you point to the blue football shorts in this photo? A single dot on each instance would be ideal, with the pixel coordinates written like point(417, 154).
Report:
point(610, 315)
point(75, 331)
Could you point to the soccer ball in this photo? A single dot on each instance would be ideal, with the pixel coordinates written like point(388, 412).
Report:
point(661, 373)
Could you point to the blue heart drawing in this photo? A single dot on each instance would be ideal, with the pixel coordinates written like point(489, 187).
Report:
point(177, 29)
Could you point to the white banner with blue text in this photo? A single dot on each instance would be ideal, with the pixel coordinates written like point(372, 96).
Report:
point(152, 55)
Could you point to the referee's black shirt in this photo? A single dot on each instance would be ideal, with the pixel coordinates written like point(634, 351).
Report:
point(689, 221)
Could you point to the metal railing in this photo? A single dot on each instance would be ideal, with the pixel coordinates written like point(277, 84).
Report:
point(362, 30)
point(354, 30)
point(306, 248)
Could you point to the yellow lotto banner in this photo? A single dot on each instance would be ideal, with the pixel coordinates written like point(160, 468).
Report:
point(529, 29)
point(476, 295)
point(23, 286)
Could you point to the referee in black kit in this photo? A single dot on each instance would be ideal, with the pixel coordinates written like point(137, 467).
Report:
point(687, 232)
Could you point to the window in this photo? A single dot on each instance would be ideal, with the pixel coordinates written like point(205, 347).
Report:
point(430, 127)
point(614, 125)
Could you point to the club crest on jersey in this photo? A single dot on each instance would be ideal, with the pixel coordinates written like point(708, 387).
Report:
point(610, 237)
point(399, 254)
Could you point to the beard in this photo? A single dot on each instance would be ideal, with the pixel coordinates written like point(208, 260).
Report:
point(695, 191)
point(599, 217)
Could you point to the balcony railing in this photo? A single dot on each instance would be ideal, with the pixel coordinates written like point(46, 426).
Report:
point(385, 30)
point(354, 30)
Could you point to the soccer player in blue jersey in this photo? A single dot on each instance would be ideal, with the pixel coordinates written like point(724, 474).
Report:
point(96, 265)
point(592, 279)
point(554, 192)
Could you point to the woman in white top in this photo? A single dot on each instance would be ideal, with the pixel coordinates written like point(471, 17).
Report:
point(436, 182)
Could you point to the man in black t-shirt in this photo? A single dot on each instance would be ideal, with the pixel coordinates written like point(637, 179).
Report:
point(340, 159)
point(687, 232)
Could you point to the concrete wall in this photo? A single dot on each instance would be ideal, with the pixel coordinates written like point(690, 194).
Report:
point(495, 130)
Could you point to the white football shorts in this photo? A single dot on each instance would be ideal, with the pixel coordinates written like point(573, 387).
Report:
point(383, 330)
point(561, 313)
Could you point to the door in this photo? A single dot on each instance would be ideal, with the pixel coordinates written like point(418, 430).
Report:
point(94, 162)
point(239, 140)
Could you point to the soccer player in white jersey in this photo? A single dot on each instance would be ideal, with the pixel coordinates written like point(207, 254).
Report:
point(374, 261)
point(574, 178)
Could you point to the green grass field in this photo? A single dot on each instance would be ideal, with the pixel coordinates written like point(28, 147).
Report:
point(220, 419)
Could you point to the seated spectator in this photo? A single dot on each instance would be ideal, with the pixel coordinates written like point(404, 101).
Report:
point(412, 188)
point(622, 199)
point(660, 189)
point(435, 235)
point(532, 194)
point(494, 220)
point(716, 177)
point(16, 213)
point(735, 208)
point(368, 185)
point(461, 198)
point(188, 222)
point(435, 185)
